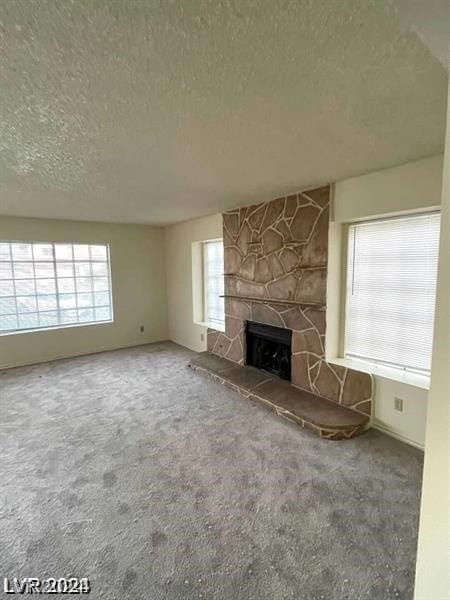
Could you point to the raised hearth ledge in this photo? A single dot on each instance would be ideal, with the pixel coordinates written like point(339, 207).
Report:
point(325, 418)
point(273, 301)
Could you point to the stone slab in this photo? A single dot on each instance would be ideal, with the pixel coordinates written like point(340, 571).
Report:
point(324, 417)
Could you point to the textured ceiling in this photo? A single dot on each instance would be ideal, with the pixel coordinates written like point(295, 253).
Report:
point(160, 111)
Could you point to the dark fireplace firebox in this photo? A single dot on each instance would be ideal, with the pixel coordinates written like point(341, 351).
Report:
point(269, 348)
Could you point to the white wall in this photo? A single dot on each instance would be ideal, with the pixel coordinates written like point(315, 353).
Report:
point(178, 243)
point(432, 571)
point(408, 425)
point(138, 289)
point(412, 187)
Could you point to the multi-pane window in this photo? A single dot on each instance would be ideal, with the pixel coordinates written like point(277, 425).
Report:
point(391, 290)
point(46, 284)
point(214, 284)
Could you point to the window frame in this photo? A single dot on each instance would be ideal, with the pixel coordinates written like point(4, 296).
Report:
point(397, 372)
point(54, 262)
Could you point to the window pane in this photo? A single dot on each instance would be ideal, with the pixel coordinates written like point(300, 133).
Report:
point(43, 252)
point(86, 314)
point(68, 316)
point(99, 269)
point(67, 300)
point(8, 322)
point(25, 287)
point(45, 286)
point(64, 269)
point(29, 321)
point(7, 306)
point(103, 314)
point(81, 252)
point(47, 302)
point(23, 270)
point(43, 269)
point(101, 298)
point(98, 253)
point(101, 284)
point(84, 284)
point(6, 287)
point(63, 252)
point(22, 251)
point(82, 269)
point(85, 299)
point(48, 319)
point(26, 304)
point(5, 270)
point(5, 253)
point(66, 285)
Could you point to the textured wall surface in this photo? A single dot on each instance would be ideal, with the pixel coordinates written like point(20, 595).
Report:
point(275, 260)
point(157, 112)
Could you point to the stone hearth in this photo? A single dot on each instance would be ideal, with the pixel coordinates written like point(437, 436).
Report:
point(322, 416)
point(275, 261)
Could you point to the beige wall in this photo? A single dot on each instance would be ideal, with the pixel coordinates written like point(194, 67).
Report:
point(411, 187)
point(178, 243)
point(138, 288)
point(414, 186)
point(433, 558)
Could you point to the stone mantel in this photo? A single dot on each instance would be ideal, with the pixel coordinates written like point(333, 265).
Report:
point(278, 302)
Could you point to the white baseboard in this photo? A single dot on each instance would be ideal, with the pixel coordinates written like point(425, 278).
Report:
point(76, 354)
point(396, 435)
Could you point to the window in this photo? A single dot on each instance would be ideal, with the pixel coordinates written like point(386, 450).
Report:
point(214, 284)
point(391, 287)
point(46, 284)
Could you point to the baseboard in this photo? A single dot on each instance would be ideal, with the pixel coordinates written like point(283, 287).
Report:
point(76, 354)
point(397, 436)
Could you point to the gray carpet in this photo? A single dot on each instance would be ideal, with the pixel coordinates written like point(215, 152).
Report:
point(157, 483)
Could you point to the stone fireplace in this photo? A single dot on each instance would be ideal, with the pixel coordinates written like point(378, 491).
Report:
point(275, 261)
point(269, 348)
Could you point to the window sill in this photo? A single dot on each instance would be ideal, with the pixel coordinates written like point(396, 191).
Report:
point(201, 323)
point(56, 327)
point(414, 379)
point(204, 324)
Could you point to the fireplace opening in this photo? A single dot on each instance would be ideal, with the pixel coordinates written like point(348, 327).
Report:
point(269, 348)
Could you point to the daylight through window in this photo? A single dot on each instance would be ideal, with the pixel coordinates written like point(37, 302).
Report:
point(214, 284)
point(391, 289)
point(46, 284)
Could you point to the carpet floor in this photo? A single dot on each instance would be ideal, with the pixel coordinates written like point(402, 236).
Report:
point(156, 483)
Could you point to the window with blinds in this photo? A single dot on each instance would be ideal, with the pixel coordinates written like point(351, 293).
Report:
point(391, 287)
point(48, 285)
point(214, 284)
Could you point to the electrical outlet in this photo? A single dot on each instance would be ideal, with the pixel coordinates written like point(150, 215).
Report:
point(398, 404)
point(202, 337)
point(141, 328)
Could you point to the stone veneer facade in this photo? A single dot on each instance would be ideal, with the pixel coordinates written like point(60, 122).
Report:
point(275, 261)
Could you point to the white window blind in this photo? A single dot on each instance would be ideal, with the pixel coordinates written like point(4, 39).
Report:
point(46, 284)
point(214, 284)
point(391, 287)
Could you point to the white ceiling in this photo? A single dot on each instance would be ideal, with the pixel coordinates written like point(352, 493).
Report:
point(160, 111)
